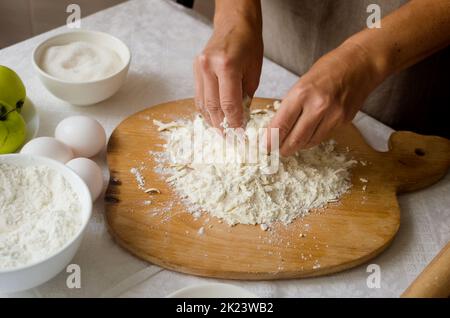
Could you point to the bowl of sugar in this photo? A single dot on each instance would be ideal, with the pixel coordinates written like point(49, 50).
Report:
point(82, 67)
point(44, 212)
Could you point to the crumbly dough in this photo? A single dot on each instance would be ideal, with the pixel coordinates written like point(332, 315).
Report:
point(244, 193)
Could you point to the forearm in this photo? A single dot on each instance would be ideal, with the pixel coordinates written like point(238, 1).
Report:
point(337, 85)
point(245, 13)
point(408, 35)
point(229, 66)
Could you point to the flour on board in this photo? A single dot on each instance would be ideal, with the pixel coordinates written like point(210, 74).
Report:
point(242, 193)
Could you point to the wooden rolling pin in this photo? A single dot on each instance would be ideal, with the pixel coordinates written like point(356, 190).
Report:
point(434, 281)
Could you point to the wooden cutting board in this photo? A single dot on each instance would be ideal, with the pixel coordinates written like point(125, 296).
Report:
point(341, 236)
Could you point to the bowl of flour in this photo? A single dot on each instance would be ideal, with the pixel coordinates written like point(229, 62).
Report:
point(82, 67)
point(44, 210)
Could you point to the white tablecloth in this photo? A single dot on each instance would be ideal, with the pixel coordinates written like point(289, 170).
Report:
point(163, 39)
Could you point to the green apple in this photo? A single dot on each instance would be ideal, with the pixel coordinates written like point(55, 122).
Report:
point(12, 98)
point(12, 130)
point(12, 90)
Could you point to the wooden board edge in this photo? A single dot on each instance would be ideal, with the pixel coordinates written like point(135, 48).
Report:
point(228, 275)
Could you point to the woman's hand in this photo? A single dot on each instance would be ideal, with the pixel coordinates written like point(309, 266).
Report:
point(336, 85)
point(327, 96)
point(230, 65)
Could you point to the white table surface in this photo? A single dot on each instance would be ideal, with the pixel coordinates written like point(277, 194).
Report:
point(163, 39)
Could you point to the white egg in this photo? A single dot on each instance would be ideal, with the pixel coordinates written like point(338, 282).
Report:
point(83, 134)
point(48, 147)
point(91, 174)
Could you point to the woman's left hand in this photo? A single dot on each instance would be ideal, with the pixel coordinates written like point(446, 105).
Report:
point(327, 96)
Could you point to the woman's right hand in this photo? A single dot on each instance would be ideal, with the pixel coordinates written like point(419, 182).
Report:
point(230, 65)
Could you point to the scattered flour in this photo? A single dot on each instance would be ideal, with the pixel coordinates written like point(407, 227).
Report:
point(240, 192)
point(139, 177)
point(39, 214)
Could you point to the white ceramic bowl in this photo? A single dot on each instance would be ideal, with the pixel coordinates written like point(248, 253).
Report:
point(87, 92)
point(213, 290)
point(32, 275)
